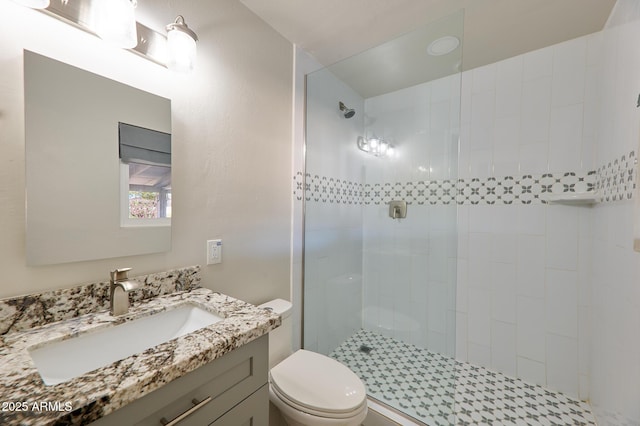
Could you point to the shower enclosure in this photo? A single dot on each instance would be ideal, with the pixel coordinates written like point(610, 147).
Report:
point(382, 131)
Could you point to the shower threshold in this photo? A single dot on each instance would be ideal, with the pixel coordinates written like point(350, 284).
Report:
point(433, 389)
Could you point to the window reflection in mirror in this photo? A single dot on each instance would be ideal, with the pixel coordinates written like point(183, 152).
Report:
point(149, 195)
point(145, 161)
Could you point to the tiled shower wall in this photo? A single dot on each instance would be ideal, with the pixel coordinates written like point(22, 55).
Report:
point(523, 287)
point(409, 265)
point(615, 318)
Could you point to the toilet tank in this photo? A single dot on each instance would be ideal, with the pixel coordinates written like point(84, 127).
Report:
point(280, 339)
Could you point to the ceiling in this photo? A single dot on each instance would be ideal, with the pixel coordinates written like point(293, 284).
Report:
point(332, 30)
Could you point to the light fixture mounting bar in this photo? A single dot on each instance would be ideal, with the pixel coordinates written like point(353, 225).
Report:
point(151, 44)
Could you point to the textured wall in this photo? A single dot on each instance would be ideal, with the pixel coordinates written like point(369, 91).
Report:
point(231, 122)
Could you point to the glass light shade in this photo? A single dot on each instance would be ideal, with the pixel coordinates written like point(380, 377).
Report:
point(115, 22)
point(181, 51)
point(34, 4)
point(375, 146)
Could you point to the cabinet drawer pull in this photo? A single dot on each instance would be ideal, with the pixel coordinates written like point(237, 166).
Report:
point(196, 406)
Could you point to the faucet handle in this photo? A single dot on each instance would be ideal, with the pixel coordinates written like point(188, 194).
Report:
point(120, 274)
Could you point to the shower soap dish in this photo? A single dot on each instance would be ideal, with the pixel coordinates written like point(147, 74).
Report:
point(573, 198)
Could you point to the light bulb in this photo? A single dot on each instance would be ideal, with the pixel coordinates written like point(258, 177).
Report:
point(391, 151)
point(115, 22)
point(181, 46)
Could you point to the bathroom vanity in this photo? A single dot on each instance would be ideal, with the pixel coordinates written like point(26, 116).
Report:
point(231, 390)
point(214, 375)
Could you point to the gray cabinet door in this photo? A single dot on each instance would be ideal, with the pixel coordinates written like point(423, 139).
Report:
point(253, 411)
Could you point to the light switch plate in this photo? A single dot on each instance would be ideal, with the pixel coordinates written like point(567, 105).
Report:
point(214, 252)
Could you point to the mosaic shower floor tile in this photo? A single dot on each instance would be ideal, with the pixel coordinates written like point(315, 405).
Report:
point(437, 390)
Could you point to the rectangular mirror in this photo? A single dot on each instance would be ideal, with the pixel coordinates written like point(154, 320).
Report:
point(80, 190)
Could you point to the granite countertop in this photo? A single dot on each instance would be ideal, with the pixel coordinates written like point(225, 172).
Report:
point(26, 400)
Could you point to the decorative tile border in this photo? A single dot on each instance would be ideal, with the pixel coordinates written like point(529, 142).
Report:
point(527, 189)
point(615, 181)
point(325, 189)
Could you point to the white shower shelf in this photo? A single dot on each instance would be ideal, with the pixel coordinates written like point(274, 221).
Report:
point(573, 198)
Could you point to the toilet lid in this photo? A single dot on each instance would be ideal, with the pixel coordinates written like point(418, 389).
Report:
point(318, 382)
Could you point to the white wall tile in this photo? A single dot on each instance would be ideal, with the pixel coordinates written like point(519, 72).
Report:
point(481, 164)
point(536, 111)
point(532, 219)
point(482, 121)
point(562, 303)
point(503, 292)
point(531, 266)
point(534, 158)
point(462, 285)
point(584, 339)
point(503, 347)
point(562, 251)
point(479, 354)
point(479, 276)
point(569, 65)
point(480, 219)
point(563, 220)
point(509, 86)
point(506, 161)
point(479, 316)
point(565, 138)
point(583, 387)
point(504, 219)
point(562, 364)
point(531, 329)
point(461, 336)
point(504, 248)
point(506, 132)
point(436, 308)
point(532, 371)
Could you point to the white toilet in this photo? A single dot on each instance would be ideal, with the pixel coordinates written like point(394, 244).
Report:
point(311, 389)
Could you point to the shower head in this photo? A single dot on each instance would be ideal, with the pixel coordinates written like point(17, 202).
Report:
point(347, 112)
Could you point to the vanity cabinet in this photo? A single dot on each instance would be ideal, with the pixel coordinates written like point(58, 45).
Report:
point(231, 390)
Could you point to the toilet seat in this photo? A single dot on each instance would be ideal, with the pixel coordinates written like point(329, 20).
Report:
point(318, 385)
point(317, 413)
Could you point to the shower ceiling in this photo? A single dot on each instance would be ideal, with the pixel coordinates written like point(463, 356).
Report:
point(404, 61)
point(332, 30)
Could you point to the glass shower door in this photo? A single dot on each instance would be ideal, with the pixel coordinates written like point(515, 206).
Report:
point(380, 218)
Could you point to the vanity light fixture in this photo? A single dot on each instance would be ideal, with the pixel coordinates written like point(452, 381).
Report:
point(33, 4)
point(115, 22)
point(181, 46)
point(376, 147)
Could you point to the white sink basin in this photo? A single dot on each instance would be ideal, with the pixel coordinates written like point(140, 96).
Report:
point(64, 360)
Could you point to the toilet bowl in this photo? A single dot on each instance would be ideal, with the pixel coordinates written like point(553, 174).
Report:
point(311, 389)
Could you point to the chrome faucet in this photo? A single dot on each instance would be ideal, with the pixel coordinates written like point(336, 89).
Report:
point(119, 289)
